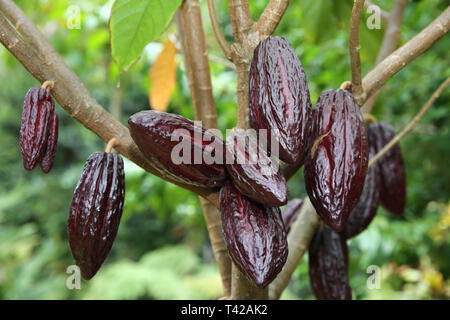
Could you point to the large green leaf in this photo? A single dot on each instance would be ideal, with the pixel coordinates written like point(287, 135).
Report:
point(135, 23)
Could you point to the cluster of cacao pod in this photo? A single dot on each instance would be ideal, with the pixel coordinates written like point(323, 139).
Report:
point(39, 130)
point(330, 140)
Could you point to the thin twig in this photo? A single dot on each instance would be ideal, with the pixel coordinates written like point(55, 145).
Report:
point(223, 61)
point(412, 124)
point(48, 85)
point(216, 28)
point(355, 60)
point(111, 144)
point(346, 85)
point(367, 117)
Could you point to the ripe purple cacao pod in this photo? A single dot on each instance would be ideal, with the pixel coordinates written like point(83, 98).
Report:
point(37, 112)
point(279, 97)
point(367, 206)
point(255, 235)
point(95, 211)
point(46, 162)
point(158, 134)
point(392, 169)
point(328, 266)
point(290, 212)
point(254, 174)
point(336, 163)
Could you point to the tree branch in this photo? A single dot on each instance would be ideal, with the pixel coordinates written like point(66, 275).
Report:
point(240, 18)
point(390, 42)
point(396, 61)
point(410, 125)
point(216, 28)
point(354, 48)
point(199, 78)
point(271, 17)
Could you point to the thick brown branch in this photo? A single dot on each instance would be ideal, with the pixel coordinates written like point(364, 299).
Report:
point(241, 20)
point(271, 17)
point(355, 61)
point(390, 42)
point(70, 92)
point(412, 124)
point(199, 78)
point(216, 27)
point(396, 61)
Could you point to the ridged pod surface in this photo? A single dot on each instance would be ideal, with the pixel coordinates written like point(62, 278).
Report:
point(279, 97)
point(95, 211)
point(392, 169)
point(336, 164)
point(328, 266)
point(254, 174)
point(255, 235)
point(46, 162)
point(290, 212)
point(367, 206)
point(158, 133)
point(37, 112)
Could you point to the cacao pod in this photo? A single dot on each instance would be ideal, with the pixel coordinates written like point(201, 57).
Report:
point(157, 134)
point(367, 206)
point(46, 162)
point(336, 164)
point(290, 212)
point(279, 97)
point(254, 174)
point(328, 266)
point(392, 170)
point(37, 112)
point(95, 211)
point(255, 235)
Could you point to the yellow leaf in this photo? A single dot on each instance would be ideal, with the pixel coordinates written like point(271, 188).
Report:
point(163, 77)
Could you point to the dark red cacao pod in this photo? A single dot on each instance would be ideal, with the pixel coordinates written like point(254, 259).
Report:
point(254, 174)
point(336, 164)
point(37, 112)
point(255, 235)
point(328, 266)
point(392, 169)
point(153, 132)
point(279, 97)
point(367, 206)
point(95, 211)
point(290, 212)
point(48, 157)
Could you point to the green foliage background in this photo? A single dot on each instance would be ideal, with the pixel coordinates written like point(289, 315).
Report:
point(162, 249)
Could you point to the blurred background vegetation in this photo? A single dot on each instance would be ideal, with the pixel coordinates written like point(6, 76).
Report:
point(162, 249)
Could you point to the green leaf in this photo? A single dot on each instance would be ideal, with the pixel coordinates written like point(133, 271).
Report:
point(133, 24)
